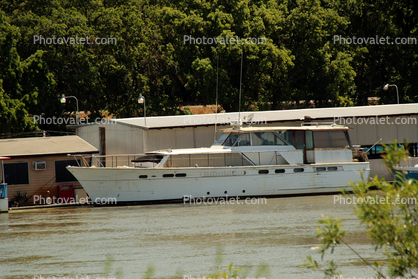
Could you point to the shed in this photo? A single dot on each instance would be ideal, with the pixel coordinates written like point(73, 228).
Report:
point(36, 169)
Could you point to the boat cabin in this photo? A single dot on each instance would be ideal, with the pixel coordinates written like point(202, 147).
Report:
point(251, 146)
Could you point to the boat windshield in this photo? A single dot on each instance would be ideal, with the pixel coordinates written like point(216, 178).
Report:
point(250, 139)
point(221, 139)
point(322, 139)
point(231, 140)
point(265, 138)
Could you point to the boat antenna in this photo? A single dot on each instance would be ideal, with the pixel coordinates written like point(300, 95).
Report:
point(240, 83)
point(374, 145)
point(216, 98)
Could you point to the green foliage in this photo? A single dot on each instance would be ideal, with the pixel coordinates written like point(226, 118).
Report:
point(19, 198)
point(394, 154)
point(391, 220)
point(297, 61)
point(330, 235)
point(108, 269)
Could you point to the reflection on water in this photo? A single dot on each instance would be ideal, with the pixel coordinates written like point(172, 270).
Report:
point(175, 237)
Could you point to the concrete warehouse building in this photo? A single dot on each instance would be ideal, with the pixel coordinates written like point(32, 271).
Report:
point(371, 126)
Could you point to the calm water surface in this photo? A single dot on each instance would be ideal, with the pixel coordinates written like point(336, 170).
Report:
point(175, 238)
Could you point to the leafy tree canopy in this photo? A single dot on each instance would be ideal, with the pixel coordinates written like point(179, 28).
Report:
point(298, 62)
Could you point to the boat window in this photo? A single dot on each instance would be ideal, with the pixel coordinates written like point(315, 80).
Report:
point(332, 168)
point(221, 139)
point(299, 140)
point(244, 140)
point(309, 140)
point(265, 138)
point(181, 175)
point(322, 139)
point(338, 139)
point(236, 159)
point(287, 135)
point(230, 141)
point(263, 171)
point(280, 171)
point(319, 169)
point(216, 160)
point(299, 170)
point(168, 175)
point(330, 139)
point(207, 160)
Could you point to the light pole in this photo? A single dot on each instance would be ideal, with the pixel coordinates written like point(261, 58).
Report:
point(387, 86)
point(63, 100)
point(141, 100)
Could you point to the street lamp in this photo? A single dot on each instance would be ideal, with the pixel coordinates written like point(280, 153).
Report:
point(63, 100)
point(141, 100)
point(387, 86)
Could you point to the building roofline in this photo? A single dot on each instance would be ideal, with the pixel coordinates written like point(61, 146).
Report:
point(45, 146)
point(197, 120)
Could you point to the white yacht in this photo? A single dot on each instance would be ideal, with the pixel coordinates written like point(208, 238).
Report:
point(244, 161)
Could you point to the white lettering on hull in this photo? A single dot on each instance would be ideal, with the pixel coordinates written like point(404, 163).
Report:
point(222, 173)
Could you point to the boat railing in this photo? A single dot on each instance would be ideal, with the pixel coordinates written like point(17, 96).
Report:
point(113, 161)
point(238, 158)
point(317, 124)
point(221, 159)
point(410, 162)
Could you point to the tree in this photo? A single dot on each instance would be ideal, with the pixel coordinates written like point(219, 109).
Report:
point(297, 60)
point(391, 221)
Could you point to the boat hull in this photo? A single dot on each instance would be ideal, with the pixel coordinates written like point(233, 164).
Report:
point(159, 184)
point(408, 172)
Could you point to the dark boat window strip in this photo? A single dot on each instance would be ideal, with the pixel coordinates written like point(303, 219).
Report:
point(181, 175)
point(168, 175)
point(263, 171)
point(143, 176)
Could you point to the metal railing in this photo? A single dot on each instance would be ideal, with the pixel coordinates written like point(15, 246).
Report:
point(103, 161)
point(223, 159)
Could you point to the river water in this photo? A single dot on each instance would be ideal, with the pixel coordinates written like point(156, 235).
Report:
point(177, 239)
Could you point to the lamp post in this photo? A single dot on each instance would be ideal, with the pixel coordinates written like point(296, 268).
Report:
point(141, 100)
point(63, 100)
point(387, 86)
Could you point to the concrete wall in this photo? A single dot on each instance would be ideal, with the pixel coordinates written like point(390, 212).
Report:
point(123, 139)
point(368, 134)
point(89, 133)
